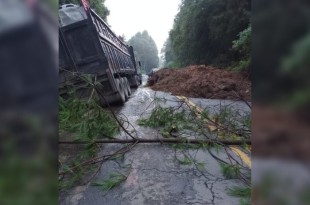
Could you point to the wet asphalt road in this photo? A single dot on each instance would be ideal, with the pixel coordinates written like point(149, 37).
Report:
point(155, 177)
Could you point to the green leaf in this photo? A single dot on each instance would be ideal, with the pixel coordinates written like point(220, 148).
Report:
point(113, 181)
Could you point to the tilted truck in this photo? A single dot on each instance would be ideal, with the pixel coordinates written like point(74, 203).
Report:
point(87, 46)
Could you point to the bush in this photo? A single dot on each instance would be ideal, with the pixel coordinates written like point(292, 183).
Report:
point(242, 65)
point(243, 43)
point(243, 46)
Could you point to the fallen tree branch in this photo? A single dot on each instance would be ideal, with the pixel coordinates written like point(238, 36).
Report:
point(164, 140)
point(95, 160)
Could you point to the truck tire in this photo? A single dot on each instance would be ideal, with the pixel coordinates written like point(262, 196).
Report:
point(128, 87)
point(135, 82)
point(138, 81)
point(121, 91)
point(124, 84)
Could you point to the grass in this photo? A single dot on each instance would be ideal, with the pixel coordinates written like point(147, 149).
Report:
point(114, 180)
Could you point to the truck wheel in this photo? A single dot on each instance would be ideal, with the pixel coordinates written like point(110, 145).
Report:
point(124, 84)
point(136, 82)
point(128, 87)
point(121, 91)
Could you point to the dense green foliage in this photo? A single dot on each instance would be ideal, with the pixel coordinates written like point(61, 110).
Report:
point(243, 46)
point(204, 30)
point(169, 56)
point(85, 118)
point(169, 119)
point(97, 5)
point(296, 66)
point(85, 121)
point(298, 61)
point(278, 27)
point(145, 50)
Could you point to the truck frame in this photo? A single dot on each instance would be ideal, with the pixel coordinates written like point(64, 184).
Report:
point(87, 46)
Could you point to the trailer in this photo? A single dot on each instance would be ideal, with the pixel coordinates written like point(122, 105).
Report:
point(87, 46)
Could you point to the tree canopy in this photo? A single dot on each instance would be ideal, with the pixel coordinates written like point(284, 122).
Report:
point(97, 5)
point(145, 50)
point(204, 30)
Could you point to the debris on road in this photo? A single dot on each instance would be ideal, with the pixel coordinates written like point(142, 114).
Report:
point(198, 163)
point(200, 81)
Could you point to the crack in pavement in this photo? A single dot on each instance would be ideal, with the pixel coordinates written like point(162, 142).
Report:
point(210, 187)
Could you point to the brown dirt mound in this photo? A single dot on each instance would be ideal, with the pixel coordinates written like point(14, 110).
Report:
point(202, 82)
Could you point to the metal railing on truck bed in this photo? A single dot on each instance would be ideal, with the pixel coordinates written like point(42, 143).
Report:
point(88, 46)
point(119, 55)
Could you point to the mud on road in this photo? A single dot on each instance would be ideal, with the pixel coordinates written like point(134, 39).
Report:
point(203, 82)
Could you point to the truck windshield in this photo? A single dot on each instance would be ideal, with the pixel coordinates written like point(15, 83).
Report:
point(71, 15)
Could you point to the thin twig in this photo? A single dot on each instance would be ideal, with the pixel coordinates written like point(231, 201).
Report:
point(163, 140)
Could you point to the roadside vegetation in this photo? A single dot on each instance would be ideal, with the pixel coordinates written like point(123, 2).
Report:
point(204, 32)
point(210, 32)
point(145, 50)
point(243, 46)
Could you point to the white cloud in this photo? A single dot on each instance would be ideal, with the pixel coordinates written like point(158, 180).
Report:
point(131, 16)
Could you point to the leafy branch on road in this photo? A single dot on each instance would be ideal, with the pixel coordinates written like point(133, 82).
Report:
point(82, 120)
point(230, 171)
point(227, 122)
point(114, 180)
point(182, 123)
point(244, 193)
point(192, 121)
point(85, 120)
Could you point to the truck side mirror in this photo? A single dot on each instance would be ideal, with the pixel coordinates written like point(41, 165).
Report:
point(139, 63)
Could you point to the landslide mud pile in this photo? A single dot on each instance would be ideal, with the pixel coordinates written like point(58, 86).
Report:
point(202, 82)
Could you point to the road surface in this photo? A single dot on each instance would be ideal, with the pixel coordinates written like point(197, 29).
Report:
point(155, 177)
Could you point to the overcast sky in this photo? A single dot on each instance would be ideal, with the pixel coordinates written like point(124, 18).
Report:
point(131, 16)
